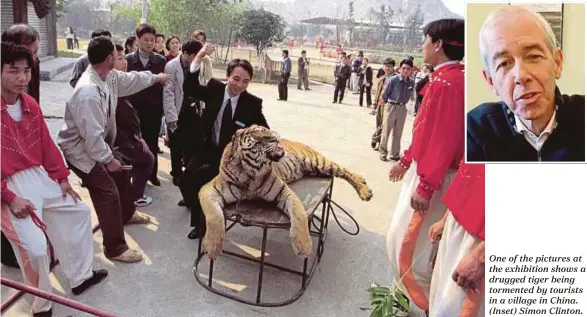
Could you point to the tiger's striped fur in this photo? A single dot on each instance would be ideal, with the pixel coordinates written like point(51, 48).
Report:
point(258, 165)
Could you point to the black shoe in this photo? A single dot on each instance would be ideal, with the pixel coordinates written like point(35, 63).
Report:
point(194, 234)
point(373, 145)
point(395, 159)
point(383, 158)
point(97, 277)
point(299, 88)
point(155, 181)
point(10, 262)
point(48, 313)
point(334, 101)
point(308, 89)
point(181, 203)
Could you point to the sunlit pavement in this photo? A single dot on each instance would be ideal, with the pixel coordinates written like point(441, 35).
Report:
point(164, 285)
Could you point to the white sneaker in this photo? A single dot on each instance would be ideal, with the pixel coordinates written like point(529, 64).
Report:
point(143, 201)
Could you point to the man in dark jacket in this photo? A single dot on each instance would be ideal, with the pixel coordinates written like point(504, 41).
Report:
point(229, 107)
point(129, 146)
point(365, 82)
point(342, 73)
point(149, 102)
point(533, 121)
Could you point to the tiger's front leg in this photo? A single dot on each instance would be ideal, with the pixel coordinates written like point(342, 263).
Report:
point(212, 207)
point(291, 204)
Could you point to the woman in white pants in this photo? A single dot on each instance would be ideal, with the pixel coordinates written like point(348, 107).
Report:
point(37, 198)
point(458, 280)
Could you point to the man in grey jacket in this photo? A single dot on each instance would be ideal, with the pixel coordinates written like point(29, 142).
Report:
point(173, 99)
point(88, 137)
point(83, 62)
point(285, 73)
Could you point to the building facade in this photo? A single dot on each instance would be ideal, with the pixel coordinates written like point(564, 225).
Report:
point(40, 14)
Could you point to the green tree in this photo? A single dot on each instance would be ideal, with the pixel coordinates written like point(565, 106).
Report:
point(261, 28)
point(413, 24)
point(384, 17)
point(351, 21)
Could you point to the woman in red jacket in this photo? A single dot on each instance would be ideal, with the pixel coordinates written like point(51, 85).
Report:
point(37, 199)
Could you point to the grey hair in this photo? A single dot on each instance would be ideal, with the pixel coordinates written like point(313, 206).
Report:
point(549, 35)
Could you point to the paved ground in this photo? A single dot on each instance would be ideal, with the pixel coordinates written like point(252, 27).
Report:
point(164, 285)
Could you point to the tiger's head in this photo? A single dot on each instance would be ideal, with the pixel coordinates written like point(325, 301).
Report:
point(258, 145)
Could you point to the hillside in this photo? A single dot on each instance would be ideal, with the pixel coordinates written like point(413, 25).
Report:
point(296, 10)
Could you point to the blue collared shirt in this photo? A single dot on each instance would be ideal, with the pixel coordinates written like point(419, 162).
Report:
point(398, 90)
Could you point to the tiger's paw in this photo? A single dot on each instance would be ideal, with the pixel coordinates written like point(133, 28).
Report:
point(361, 179)
point(213, 244)
point(365, 193)
point(302, 244)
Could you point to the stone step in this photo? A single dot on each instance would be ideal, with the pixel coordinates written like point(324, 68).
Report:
point(52, 67)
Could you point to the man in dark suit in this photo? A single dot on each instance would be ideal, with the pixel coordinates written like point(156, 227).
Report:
point(149, 102)
point(229, 107)
point(365, 82)
point(341, 74)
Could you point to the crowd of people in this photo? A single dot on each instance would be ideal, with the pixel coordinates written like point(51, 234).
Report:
point(122, 94)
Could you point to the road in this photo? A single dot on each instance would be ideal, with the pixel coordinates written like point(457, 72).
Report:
point(164, 285)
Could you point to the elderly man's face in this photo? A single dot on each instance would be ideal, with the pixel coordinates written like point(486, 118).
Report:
point(522, 69)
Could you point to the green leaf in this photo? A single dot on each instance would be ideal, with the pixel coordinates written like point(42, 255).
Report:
point(403, 302)
point(380, 290)
point(366, 308)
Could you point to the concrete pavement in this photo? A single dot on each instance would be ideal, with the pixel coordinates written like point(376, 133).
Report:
point(164, 285)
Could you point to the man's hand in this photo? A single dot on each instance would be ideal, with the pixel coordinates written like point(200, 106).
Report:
point(145, 146)
point(397, 172)
point(207, 49)
point(162, 78)
point(172, 126)
point(114, 166)
point(470, 270)
point(67, 189)
point(21, 208)
point(419, 203)
point(435, 231)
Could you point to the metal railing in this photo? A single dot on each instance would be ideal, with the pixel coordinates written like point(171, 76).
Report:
point(22, 289)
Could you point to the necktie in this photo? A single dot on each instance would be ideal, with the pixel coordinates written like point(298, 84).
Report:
point(226, 127)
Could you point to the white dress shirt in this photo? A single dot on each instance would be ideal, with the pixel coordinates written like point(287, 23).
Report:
point(218, 122)
point(536, 141)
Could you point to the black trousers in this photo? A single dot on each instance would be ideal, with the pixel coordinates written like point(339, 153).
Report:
point(282, 86)
point(203, 167)
point(176, 152)
point(8, 256)
point(339, 88)
point(150, 118)
point(362, 92)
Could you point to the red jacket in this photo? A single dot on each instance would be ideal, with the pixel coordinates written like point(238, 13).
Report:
point(465, 198)
point(438, 139)
point(27, 144)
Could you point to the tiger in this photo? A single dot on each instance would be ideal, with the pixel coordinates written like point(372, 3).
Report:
point(257, 164)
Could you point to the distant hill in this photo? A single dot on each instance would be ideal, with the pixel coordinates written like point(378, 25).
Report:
point(296, 10)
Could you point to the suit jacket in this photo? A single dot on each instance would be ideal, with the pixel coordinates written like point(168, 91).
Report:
point(248, 112)
point(301, 65)
point(150, 99)
point(173, 90)
point(342, 74)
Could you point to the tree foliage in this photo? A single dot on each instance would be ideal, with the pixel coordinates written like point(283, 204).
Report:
point(261, 28)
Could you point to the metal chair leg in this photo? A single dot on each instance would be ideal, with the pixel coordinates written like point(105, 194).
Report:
point(260, 281)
